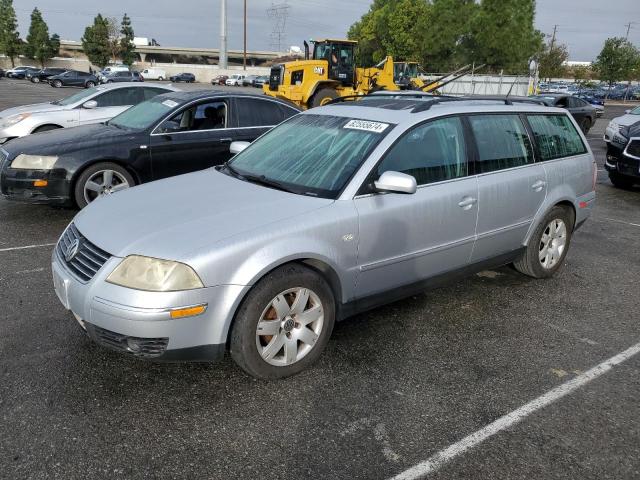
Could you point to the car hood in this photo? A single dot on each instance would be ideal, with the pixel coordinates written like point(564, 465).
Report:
point(178, 217)
point(64, 140)
point(34, 108)
point(627, 119)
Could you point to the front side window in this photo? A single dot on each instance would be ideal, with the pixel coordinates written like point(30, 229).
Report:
point(311, 154)
point(203, 116)
point(430, 153)
point(555, 136)
point(502, 142)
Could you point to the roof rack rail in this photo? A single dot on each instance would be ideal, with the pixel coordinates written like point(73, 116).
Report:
point(435, 101)
point(346, 98)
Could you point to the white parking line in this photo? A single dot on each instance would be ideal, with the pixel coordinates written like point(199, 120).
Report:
point(10, 249)
point(441, 458)
point(621, 221)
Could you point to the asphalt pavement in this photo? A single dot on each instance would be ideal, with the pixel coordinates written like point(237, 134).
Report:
point(396, 385)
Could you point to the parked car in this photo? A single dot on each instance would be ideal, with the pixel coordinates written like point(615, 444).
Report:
point(597, 103)
point(219, 80)
point(2, 73)
point(235, 80)
point(623, 156)
point(338, 210)
point(21, 72)
point(117, 77)
point(93, 105)
point(629, 118)
point(249, 80)
point(171, 134)
point(260, 81)
point(584, 113)
point(154, 74)
point(44, 74)
point(109, 70)
point(183, 77)
point(73, 78)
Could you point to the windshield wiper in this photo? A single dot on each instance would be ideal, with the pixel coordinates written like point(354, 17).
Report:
point(257, 179)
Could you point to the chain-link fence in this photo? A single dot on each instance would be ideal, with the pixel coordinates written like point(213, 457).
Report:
point(485, 84)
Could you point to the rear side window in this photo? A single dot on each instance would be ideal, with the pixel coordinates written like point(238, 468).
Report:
point(556, 136)
point(502, 142)
point(253, 112)
point(120, 97)
point(432, 152)
point(150, 92)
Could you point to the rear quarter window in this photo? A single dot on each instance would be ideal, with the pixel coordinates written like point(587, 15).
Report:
point(556, 136)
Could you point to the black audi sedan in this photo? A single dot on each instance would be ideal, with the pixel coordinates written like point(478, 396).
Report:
point(171, 134)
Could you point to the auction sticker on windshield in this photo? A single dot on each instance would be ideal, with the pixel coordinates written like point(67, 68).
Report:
point(376, 127)
point(170, 103)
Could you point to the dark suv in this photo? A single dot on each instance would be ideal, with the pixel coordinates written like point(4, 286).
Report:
point(73, 78)
point(623, 157)
point(44, 74)
point(116, 77)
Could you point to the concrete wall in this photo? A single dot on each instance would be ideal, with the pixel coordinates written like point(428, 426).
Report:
point(203, 73)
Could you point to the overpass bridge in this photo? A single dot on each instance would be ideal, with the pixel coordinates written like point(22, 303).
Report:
point(254, 58)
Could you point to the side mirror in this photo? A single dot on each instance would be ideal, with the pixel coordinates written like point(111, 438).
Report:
point(90, 105)
point(237, 147)
point(396, 182)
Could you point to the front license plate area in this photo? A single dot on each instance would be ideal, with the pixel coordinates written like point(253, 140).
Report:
point(61, 286)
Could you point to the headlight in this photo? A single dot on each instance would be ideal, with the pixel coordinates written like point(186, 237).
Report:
point(155, 275)
point(13, 119)
point(614, 126)
point(33, 162)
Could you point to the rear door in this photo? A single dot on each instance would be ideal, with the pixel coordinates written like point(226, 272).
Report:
point(405, 239)
point(511, 187)
point(195, 138)
point(256, 116)
point(111, 103)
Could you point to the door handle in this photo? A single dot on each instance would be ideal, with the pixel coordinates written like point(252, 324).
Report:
point(467, 202)
point(538, 186)
point(226, 140)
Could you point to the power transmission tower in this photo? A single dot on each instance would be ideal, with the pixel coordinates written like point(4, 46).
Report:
point(278, 13)
point(628, 25)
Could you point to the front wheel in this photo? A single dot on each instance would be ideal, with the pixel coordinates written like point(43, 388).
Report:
point(35, 80)
point(160, 79)
point(585, 125)
point(100, 180)
point(323, 97)
point(284, 323)
point(57, 83)
point(90, 84)
point(548, 245)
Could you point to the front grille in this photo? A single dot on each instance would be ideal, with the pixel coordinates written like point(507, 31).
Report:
point(275, 77)
point(633, 149)
point(88, 258)
point(140, 347)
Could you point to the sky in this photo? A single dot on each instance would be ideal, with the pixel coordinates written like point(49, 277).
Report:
point(583, 25)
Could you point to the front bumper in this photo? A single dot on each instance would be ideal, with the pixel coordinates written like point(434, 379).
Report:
point(617, 162)
point(19, 185)
point(139, 323)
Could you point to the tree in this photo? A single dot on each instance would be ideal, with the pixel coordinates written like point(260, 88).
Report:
point(10, 43)
point(617, 61)
point(39, 45)
point(504, 36)
point(552, 61)
point(114, 37)
point(127, 48)
point(95, 42)
point(55, 44)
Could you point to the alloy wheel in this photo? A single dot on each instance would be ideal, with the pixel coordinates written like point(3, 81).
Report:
point(102, 183)
point(552, 243)
point(289, 326)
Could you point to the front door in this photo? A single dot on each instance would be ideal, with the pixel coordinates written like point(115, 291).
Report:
point(511, 186)
point(404, 239)
point(195, 138)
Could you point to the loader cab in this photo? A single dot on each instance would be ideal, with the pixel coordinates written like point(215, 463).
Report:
point(404, 72)
point(340, 55)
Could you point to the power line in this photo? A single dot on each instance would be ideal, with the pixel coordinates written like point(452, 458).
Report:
point(628, 25)
point(279, 12)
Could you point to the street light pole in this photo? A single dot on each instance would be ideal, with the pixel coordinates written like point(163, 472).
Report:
point(244, 63)
point(222, 62)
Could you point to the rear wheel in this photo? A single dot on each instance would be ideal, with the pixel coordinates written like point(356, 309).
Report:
point(620, 181)
point(323, 96)
point(160, 79)
point(100, 180)
point(35, 79)
point(90, 84)
point(284, 323)
point(548, 245)
point(56, 83)
point(585, 125)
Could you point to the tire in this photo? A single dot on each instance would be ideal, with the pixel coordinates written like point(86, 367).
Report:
point(531, 263)
point(109, 81)
point(585, 125)
point(46, 128)
point(83, 194)
point(56, 84)
point(90, 84)
point(323, 96)
point(285, 284)
point(160, 79)
point(35, 80)
point(620, 181)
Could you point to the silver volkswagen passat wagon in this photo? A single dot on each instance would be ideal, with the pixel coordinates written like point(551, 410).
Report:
point(337, 210)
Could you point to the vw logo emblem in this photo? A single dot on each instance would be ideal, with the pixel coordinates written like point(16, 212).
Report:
point(72, 250)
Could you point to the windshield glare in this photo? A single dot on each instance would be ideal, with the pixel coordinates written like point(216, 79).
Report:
point(312, 154)
point(144, 114)
point(77, 97)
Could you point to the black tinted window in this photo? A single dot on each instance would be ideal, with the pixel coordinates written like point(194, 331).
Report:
point(150, 92)
point(432, 152)
point(253, 112)
point(556, 136)
point(502, 142)
point(120, 97)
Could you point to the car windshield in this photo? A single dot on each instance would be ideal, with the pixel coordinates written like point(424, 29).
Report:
point(144, 114)
point(635, 111)
point(310, 154)
point(77, 97)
